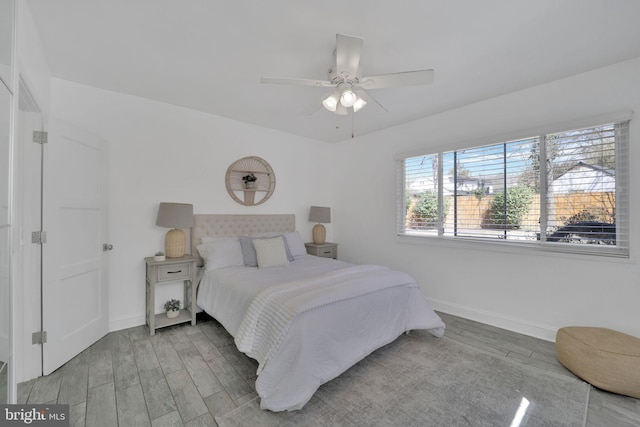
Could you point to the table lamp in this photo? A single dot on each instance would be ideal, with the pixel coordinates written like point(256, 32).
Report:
point(320, 215)
point(176, 216)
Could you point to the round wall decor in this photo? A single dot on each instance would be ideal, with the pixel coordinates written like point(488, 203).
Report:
point(250, 181)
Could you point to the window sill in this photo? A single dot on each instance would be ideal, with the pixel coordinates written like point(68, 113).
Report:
point(537, 249)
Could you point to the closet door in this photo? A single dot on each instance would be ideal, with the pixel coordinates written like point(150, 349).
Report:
point(5, 243)
point(27, 263)
point(6, 99)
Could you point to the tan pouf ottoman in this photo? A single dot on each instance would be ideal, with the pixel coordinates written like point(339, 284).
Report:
point(608, 359)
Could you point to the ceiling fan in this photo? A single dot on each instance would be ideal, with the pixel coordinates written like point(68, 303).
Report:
point(347, 83)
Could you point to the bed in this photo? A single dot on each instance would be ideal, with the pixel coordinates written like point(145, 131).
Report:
point(305, 319)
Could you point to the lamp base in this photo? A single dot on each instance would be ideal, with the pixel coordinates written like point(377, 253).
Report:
point(175, 243)
point(319, 234)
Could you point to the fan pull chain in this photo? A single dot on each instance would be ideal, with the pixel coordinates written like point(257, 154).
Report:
point(352, 120)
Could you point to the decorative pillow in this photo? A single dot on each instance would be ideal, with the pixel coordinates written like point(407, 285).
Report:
point(263, 235)
point(249, 251)
point(270, 252)
point(220, 252)
point(295, 244)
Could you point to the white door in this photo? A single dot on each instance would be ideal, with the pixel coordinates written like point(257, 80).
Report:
point(75, 305)
point(28, 262)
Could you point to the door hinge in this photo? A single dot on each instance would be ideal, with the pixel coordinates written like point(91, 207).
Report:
point(40, 137)
point(39, 237)
point(39, 337)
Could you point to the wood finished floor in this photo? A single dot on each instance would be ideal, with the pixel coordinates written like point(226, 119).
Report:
point(185, 375)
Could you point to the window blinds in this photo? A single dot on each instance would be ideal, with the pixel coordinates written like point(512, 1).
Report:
point(421, 207)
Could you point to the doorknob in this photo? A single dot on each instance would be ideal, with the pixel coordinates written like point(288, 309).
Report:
point(107, 247)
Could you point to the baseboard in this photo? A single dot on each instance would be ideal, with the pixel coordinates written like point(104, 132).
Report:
point(127, 322)
point(544, 332)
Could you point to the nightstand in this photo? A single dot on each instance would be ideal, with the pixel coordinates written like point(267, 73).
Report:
point(325, 250)
point(171, 270)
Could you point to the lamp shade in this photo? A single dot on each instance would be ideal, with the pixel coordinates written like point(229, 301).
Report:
point(331, 101)
point(348, 98)
point(359, 104)
point(320, 214)
point(175, 215)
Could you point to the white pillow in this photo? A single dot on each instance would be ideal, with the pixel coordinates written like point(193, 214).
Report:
point(220, 252)
point(270, 252)
point(295, 243)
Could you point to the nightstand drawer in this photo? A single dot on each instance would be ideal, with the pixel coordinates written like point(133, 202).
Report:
point(174, 272)
point(324, 250)
point(327, 252)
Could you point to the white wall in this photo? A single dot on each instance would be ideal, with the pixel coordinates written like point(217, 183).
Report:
point(163, 153)
point(33, 66)
point(519, 290)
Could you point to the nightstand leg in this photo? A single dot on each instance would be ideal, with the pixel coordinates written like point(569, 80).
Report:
point(189, 296)
point(151, 314)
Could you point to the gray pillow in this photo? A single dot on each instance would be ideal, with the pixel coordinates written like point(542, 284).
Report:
point(249, 252)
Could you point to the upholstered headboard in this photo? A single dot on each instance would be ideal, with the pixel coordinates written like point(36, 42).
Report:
point(237, 225)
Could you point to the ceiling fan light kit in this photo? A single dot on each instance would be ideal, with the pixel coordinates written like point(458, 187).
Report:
point(341, 110)
point(331, 101)
point(347, 82)
point(345, 98)
point(348, 98)
point(359, 104)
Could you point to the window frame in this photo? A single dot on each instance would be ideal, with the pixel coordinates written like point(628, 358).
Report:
point(622, 193)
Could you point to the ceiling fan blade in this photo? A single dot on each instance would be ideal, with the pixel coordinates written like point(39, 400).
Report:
point(348, 50)
point(294, 81)
point(369, 99)
point(407, 78)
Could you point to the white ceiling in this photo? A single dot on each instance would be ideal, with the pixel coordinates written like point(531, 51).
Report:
point(209, 55)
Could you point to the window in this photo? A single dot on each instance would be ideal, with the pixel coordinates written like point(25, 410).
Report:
point(559, 191)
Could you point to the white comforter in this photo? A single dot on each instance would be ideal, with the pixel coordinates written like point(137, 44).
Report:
point(308, 322)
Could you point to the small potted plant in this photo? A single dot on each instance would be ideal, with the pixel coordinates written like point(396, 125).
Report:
point(250, 181)
point(172, 307)
point(159, 256)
